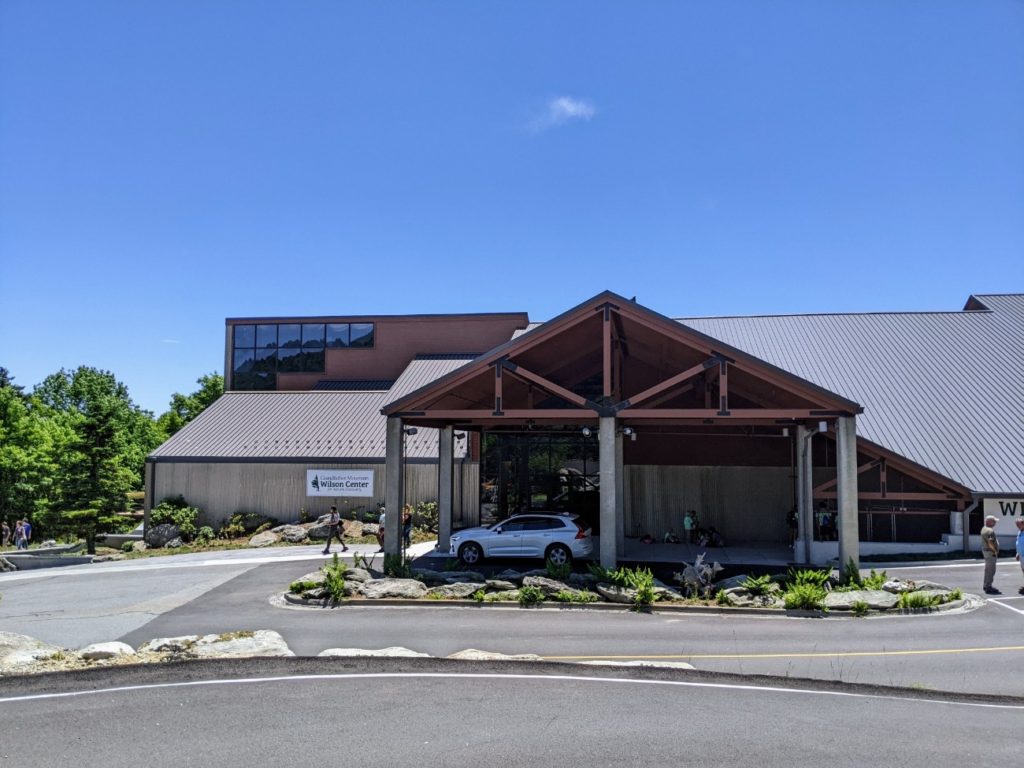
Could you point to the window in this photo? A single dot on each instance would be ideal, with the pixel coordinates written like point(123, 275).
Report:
point(260, 352)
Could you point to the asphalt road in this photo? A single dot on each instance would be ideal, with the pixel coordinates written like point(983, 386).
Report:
point(980, 652)
point(438, 713)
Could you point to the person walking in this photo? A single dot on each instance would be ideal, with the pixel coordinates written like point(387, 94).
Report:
point(1020, 547)
point(334, 529)
point(19, 534)
point(407, 526)
point(990, 550)
point(5, 535)
point(380, 529)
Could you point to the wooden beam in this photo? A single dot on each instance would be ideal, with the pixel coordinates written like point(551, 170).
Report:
point(875, 496)
point(668, 383)
point(860, 470)
point(549, 386)
point(767, 414)
point(497, 390)
point(723, 388)
point(475, 415)
point(606, 352)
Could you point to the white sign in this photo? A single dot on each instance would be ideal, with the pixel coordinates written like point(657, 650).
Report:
point(1006, 512)
point(339, 482)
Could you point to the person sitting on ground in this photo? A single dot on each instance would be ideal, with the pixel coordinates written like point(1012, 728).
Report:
point(670, 537)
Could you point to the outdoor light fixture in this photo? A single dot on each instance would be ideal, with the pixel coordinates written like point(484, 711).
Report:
point(459, 435)
point(823, 426)
point(785, 431)
point(629, 432)
point(586, 432)
point(410, 430)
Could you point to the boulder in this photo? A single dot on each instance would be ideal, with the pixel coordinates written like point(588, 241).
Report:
point(139, 546)
point(899, 586)
point(318, 532)
point(314, 576)
point(876, 599)
point(262, 642)
point(731, 582)
point(472, 654)
point(500, 585)
point(180, 644)
point(667, 593)
point(264, 539)
point(98, 651)
point(393, 588)
point(430, 577)
point(370, 529)
point(292, 533)
point(583, 579)
point(21, 650)
point(353, 529)
point(616, 594)
point(158, 535)
point(358, 574)
point(6, 565)
point(548, 586)
point(174, 543)
point(509, 575)
point(510, 594)
point(392, 652)
point(457, 591)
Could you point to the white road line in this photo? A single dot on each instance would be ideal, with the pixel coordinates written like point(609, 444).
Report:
point(493, 676)
point(1000, 602)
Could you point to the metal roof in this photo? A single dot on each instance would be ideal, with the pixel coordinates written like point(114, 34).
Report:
point(943, 389)
point(310, 426)
point(353, 385)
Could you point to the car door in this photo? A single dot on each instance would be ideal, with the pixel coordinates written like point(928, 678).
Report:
point(538, 533)
point(508, 543)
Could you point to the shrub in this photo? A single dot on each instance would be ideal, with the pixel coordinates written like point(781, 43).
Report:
point(875, 580)
point(245, 523)
point(205, 534)
point(642, 580)
point(757, 585)
point(298, 587)
point(530, 596)
point(334, 579)
point(396, 567)
point(722, 598)
point(425, 515)
point(574, 596)
point(557, 572)
point(859, 608)
point(956, 594)
point(479, 595)
point(912, 600)
point(176, 512)
point(808, 576)
point(805, 595)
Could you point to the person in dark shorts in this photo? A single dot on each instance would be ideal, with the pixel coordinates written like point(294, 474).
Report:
point(334, 530)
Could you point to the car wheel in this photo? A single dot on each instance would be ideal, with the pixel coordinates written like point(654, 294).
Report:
point(470, 553)
point(558, 554)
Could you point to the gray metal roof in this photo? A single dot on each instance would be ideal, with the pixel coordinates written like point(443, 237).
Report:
point(315, 425)
point(943, 389)
point(353, 385)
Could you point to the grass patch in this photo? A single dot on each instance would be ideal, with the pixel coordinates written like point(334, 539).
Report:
point(808, 596)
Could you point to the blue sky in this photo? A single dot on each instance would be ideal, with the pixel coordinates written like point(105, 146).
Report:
point(164, 165)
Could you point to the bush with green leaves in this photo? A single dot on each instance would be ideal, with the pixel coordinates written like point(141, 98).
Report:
point(642, 582)
point(424, 515)
point(334, 579)
point(245, 524)
point(128, 546)
point(859, 608)
point(479, 595)
point(397, 567)
point(530, 596)
point(808, 576)
point(956, 594)
point(757, 585)
point(557, 572)
point(917, 600)
point(176, 511)
point(205, 535)
point(298, 587)
point(805, 595)
point(575, 596)
point(722, 598)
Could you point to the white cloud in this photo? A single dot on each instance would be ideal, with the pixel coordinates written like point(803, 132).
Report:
point(562, 110)
point(169, 341)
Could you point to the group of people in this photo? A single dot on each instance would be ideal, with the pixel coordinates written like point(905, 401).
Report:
point(694, 533)
point(20, 536)
point(335, 529)
point(990, 550)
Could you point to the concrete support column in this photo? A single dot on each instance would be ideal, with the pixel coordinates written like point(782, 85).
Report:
point(149, 493)
point(846, 474)
point(609, 485)
point(445, 442)
point(804, 492)
point(394, 493)
point(620, 497)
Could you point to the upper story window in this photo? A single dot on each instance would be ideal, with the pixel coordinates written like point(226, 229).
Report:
point(260, 352)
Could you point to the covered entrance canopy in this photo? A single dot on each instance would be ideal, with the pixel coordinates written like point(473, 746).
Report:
point(620, 370)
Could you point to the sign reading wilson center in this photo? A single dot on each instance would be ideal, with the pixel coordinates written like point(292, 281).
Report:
point(339, 482)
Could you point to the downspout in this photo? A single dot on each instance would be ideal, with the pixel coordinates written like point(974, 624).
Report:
point(966, 532)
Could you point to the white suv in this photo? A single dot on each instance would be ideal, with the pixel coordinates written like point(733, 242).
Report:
point(556, 538)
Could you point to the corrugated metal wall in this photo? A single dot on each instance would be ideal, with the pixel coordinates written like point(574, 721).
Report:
point(743, 503)
point(278, 490)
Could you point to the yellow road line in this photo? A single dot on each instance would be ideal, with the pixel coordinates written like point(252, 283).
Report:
point(814, 655)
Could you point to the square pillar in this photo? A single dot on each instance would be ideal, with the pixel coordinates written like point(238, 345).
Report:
point(609, 486)
point(846, 474)
point(804, 495)
point(394, 493)
point(620, 496)
point(445, 441)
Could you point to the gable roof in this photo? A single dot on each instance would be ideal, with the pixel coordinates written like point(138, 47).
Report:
point(540, 333)
point(943, 389)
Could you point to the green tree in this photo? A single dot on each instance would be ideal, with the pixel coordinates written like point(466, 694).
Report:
point(29, 444)
point(184, 408)
point(109, 438)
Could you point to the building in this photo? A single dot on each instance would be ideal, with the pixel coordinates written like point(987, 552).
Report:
point(903, 428)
